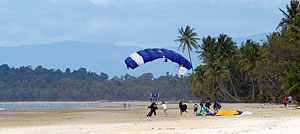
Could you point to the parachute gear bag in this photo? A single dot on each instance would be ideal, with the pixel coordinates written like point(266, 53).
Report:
point(183, 107)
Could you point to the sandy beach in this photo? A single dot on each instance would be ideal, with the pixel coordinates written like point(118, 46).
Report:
point(266, 118)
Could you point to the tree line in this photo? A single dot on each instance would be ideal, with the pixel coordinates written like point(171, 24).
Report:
point(253, 72)
point(41, 84)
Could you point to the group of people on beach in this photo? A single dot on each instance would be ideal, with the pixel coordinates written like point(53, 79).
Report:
point(204, 107)
point(153, 107)
point(287, 100)
point(124, 104)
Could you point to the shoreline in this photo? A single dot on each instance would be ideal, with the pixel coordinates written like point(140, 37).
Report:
point(36, 105)
point(66, 102)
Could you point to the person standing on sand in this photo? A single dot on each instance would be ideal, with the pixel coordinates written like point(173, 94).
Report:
point(201, 104)
point(195, 108)
point(284, 101)
point(164, 106)
point(182, 107)
point(207, 104)
point(152, 107)
point(124, 106)
point(216, 106)
point(129, 106)
point(290, 99)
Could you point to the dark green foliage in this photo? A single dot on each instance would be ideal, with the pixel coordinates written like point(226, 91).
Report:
point(254, 72)
point(289, 16)
point(41, 84)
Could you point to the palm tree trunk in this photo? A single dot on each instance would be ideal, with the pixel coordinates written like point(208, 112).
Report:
point(191, 61)
point(270, 94)
point(214, 89)
point(252, 82)
point(271, 80)
point(261, 92)
point(225, 92)
point(234, 91)
point(231, 83)
point(276, 86)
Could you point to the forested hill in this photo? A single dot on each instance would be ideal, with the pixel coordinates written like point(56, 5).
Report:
point(41, 84)
point(95, 57)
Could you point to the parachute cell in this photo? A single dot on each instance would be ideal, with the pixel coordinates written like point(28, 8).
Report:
point(137, 58)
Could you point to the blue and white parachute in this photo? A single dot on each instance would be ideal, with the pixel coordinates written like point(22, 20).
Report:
point(147, 55)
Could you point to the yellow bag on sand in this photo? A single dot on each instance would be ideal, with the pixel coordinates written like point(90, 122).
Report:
point(224, 113)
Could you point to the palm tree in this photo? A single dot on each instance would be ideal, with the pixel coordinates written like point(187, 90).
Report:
point(295, 29)
point(226, 51)
point(188, 38)
point(227, 48)
point(251, 56)
point(289, 17)
point(214, 69)
point(292, 83)
point(207, 48)
point(200, 83)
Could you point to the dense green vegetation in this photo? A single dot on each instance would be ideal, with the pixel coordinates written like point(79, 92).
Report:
point(254, 72)
point(27, 84)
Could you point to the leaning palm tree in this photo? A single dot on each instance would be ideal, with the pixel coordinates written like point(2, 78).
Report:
point(226, 51)
point(207, 47)
point(251, 57)
point(188, 38)
point(289, 17)
point(215, 71)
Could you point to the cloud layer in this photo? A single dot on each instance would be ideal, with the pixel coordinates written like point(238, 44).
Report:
point(144, 23)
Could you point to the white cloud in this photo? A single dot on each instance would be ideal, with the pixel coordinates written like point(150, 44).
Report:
point(133, 22)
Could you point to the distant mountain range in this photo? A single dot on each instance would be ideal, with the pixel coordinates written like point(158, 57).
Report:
point(95, 57)
point(258, 38)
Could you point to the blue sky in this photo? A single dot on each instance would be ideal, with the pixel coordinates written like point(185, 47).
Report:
point(144, 23)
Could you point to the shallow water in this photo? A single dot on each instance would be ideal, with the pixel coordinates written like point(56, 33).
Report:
point(49, 106)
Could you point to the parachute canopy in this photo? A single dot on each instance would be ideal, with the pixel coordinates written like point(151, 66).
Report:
point(147, 55)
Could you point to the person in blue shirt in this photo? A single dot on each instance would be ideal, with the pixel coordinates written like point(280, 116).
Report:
point(207, 103)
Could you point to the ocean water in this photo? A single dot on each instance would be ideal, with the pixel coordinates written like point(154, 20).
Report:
point(49, 106)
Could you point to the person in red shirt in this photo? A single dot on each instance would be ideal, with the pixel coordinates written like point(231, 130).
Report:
point(284, 101)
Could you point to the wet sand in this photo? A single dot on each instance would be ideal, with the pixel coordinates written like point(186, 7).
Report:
point(266, 118)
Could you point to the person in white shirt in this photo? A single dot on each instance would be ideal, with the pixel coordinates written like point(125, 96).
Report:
point(164, 106)
point(195, 108)
point(290, 99)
